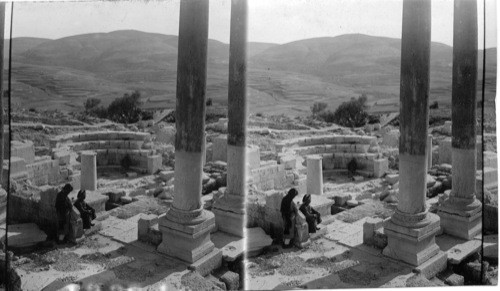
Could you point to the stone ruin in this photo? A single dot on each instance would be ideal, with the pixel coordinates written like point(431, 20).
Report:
point(75, 159)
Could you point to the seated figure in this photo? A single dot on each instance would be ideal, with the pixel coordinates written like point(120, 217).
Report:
point(87, 213)
point(313, 217)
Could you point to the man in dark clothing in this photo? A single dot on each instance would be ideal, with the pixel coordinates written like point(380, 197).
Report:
point(288, 213)
point(63, 209)
point(87, 213)
point(313, 217)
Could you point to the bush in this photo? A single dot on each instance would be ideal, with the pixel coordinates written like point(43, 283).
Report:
point(147, 115)
point(91, 104)
point(318, 107)
point(209, 102)
point(351, 113)
point(125, 109)
point(434, 105)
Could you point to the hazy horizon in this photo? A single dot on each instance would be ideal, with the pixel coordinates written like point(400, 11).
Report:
point(277, 21)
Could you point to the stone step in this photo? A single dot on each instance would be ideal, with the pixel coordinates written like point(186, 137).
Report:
point(331, 148)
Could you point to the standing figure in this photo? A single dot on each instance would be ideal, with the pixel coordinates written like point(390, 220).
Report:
point(289, 213)
point(87, 213)
point(313, 217)
point(63, 209)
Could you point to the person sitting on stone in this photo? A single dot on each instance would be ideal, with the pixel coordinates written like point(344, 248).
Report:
point(313, 217)
point(87, 213)
point(289, 211)
point(63, 210)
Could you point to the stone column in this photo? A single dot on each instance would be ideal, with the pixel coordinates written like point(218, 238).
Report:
point(411, 229)
point(461, 212)
point(230, 210)
point(429, 151)
point(88, 179)
point(314, 175)
point(186, 226)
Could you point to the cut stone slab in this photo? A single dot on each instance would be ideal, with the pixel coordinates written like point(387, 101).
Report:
point(456, 248)
point(352, 203)
point(490, 247)
point(257, 239)
point(233, 250)
point(231, 279)
point(131, 174)
point(24, 235)
point(341, 198)
point(433, 266)
point(207, 263)
point(455, 280)
point(392, 178)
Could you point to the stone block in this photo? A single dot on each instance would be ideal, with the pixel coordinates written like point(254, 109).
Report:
point(289, 161)
point(455, 280)
point(273, 198)
point(231, 279)
point(253, 157)
point(341, 198)
point(433, 266)
point(219, 148)
point(444, 151)
point(154, 163)
point(380, 167)
point(17, 165)
point(145, 222)
point(24, 150)
point(115, 196)
point(369, 228)
point(392, 178)
point(207, 263)
point(257, 240)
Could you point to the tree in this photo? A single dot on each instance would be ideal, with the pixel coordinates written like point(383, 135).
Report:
point(125, 109)
point(351, 113)
point(91, 104)
point(318, 107)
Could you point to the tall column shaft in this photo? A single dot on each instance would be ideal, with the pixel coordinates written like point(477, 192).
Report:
point(190, 104)
point(237, 101)
point(411, 230)
point(230, 210)
point(463, 114)
point(414, 105)
point(186, 226)
point(88, 177)
point(461, 212)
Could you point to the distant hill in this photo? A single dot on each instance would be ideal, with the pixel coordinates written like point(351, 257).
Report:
point(285, 78)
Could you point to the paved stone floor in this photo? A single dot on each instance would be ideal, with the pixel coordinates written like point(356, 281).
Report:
point(111, 256)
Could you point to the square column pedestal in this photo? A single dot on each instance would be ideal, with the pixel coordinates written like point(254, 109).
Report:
point(414, 244)
point(229, 213)
point(460, 217)
point(186, 235)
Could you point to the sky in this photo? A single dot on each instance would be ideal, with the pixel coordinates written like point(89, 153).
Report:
point(274, 21)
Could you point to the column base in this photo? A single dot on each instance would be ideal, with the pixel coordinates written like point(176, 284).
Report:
point(229, 213)
point(461, 217)
point(187, 241)
point(414, 246)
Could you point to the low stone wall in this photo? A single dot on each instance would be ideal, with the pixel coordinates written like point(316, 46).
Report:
point(337, 151)
point(24, 150)
point(97, 136)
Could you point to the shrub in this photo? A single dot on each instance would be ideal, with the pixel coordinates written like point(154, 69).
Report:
point(351, 113)
point(434, 105)
point(318, 107)
point(91, 104)
point(209, 102)
point(125, 109)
